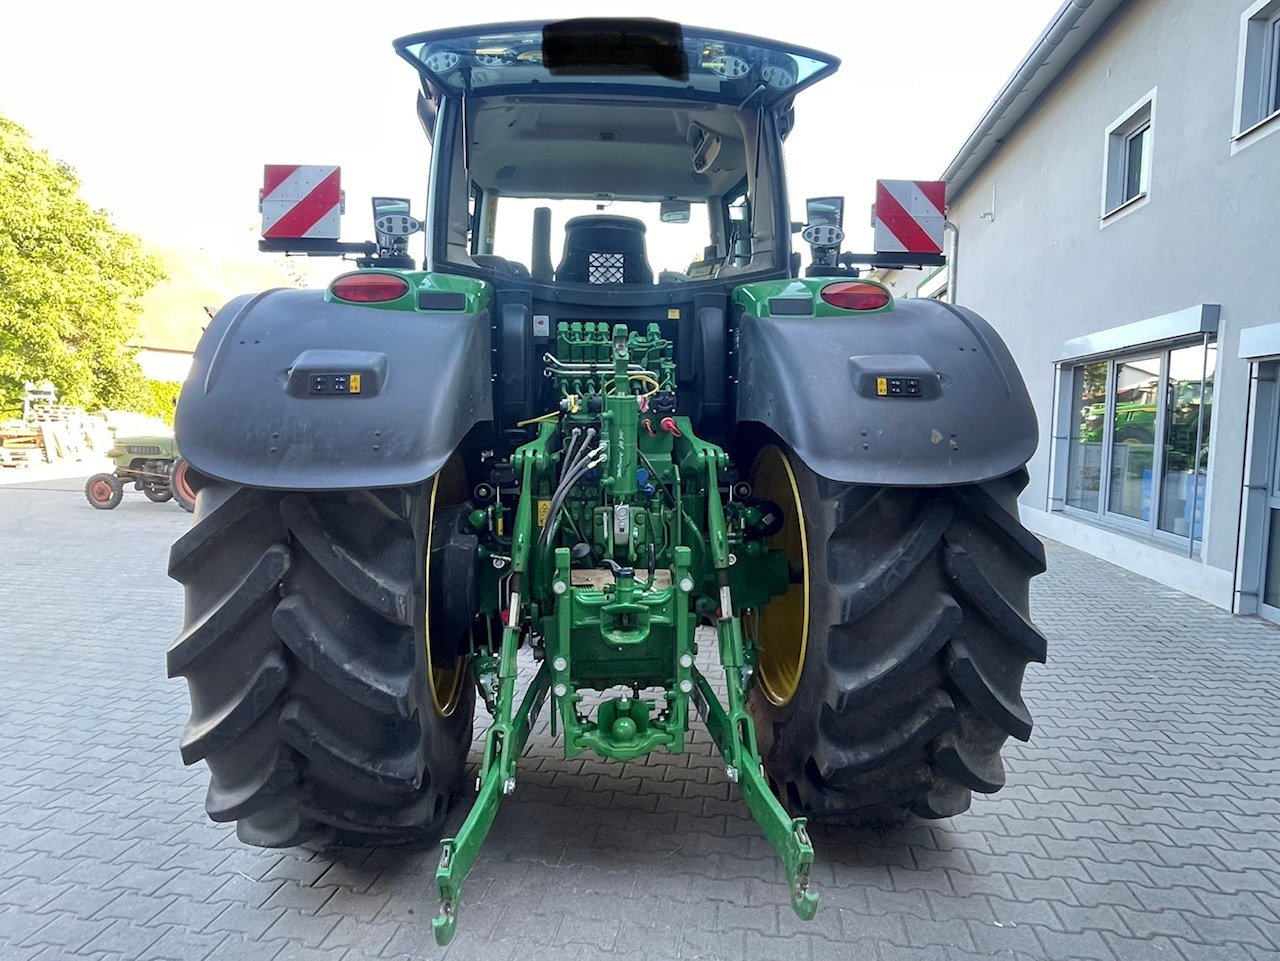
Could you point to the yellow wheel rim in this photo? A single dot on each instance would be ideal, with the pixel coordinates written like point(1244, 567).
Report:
point(446, 683)
point(783, 634)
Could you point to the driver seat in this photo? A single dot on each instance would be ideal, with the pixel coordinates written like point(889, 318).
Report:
point(604, 249)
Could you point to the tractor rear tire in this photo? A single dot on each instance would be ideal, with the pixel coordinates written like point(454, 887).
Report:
point(180, 483)
point(314, 700)
point(890, 675)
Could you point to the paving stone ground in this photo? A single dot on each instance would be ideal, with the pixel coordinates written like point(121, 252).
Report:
point(1142, 821)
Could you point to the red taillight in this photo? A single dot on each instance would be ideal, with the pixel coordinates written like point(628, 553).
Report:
point(362, 288)
point(855, 295)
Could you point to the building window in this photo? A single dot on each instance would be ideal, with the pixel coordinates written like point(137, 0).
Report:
point(1258, 93)
point(1137, 162)
point(1137, 451)
point(1127, 172)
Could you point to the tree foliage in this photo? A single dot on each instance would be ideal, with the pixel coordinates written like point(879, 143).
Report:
point(160, 399)
point(69, 285)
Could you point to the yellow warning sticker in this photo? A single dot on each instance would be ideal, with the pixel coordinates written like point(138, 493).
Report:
point(673, 313)
point(882, 386)
point(544, 509)
point(355, 383)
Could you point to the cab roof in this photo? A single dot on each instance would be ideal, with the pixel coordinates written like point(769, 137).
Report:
point(646, 58)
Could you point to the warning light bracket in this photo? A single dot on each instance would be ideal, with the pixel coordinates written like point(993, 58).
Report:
point(316, 247)
point(364, 254)
point(850, 264)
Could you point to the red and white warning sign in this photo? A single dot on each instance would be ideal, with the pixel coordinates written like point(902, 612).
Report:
point(910, 216)
point(301, 201)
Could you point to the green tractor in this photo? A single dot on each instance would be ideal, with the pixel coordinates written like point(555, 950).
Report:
point(664, 472)
point(148, 462)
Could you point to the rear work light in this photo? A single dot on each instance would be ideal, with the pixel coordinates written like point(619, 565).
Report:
point(362, 288)
point(855, 295)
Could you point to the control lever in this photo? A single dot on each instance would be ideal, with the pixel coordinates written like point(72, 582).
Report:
point(618, 570)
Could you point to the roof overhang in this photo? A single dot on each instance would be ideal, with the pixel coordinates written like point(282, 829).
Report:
point(1071, 30)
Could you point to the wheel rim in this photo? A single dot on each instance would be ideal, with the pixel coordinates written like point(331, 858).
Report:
point(445, 683)
point(101, 491)
point(181, 482)
point(783, 632)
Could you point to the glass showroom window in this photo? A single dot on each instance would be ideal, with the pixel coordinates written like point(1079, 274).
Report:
point(1138, 450)
point(1084, 460)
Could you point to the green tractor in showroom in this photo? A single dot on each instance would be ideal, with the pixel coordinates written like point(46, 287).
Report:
point(653, 461)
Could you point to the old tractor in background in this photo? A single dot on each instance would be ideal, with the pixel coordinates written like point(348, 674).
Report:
point(149, 463)
point(663, 466)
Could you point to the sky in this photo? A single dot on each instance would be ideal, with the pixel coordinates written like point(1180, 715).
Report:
point(168, 110)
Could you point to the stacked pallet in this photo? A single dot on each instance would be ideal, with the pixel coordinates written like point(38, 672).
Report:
point(50, 433)
point(21, 445)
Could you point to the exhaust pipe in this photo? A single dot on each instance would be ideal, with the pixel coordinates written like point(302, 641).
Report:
point(541, 267)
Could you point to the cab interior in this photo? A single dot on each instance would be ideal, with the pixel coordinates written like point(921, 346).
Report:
point(609, 191)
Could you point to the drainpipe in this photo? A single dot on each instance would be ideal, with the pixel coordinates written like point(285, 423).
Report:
point(953, 259)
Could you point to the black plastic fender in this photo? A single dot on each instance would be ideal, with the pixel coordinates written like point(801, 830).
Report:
point(271, 401)
point(925, 394)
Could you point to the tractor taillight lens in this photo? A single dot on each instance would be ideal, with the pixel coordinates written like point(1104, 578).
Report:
point(362, 288)
point(855, 295)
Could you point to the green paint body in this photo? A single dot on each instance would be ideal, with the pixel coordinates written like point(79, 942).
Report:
point(754, 298)
point(477, 294)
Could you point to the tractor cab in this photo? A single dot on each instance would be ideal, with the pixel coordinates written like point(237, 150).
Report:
point(588, 156)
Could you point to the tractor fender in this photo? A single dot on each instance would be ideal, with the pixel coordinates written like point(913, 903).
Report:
point(273, 399)
point(920, 394)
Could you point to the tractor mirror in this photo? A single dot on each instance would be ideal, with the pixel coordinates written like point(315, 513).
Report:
point(389, 205)
point(391, 219)
point(392, 224)
point(825, 211)
point(674, 211)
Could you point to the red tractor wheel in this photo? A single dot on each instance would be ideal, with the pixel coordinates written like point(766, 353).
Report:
point(180, 484)
point(104, 491)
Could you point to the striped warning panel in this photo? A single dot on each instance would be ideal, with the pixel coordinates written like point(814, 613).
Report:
point(301, 200)
point(910, 216)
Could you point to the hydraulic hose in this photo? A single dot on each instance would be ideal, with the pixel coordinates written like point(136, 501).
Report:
point(592, 459)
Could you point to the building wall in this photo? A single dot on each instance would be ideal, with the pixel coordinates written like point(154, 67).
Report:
point(168, 365)
point(1040, 267)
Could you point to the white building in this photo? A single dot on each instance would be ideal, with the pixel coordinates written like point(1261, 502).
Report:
point(1118, 208)
point(164, 363)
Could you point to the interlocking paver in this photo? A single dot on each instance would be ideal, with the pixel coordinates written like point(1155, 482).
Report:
point(854, 949)
point(1140, 822)
point(299, 897)
point(1067, 944)
point(296, 927)
point(67, 931)
point(19, 926)
point(371, 936)
point(31, 893)
point(185, 913)
point(242, 920)
point(1149, 949)
point(127, 939)
point(236, 949)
